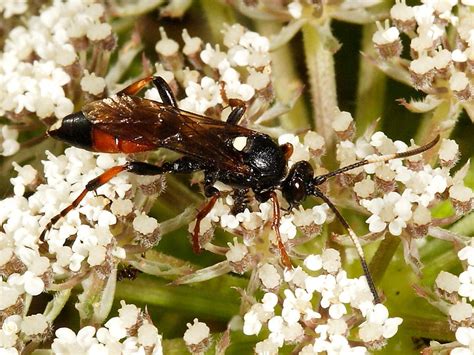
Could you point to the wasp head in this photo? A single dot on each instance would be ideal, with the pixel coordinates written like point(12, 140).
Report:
point(299, 183)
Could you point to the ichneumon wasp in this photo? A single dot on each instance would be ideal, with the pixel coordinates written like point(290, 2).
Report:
point(237, 156)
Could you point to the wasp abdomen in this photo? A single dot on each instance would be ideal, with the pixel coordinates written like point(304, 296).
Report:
point(74, 129)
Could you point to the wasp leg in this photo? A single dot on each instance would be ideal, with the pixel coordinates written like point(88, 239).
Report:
point(239, 109)
point(182, 165)
point(355, 240)
point(240, 200)
point(135, 87)
point(165, 91)
point(213, 194)
point(285, 259)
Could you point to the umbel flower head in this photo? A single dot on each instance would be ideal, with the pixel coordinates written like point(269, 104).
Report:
point(440, 54)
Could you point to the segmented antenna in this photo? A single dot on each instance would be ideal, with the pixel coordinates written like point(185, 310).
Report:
point(378, 159)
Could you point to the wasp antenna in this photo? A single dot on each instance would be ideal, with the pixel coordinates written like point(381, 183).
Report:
point(377, 159)
point(356, 242)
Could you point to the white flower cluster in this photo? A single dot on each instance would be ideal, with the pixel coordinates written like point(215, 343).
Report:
point(441, 47)
point(13, 8)
point(457, 293)
point(252, 221)
point(380, 191)
point(321, 278)
point(131, 332)
point(9, 141)
point(36, 59)
point(29, 328)
point(240, 72)
point(74, 245)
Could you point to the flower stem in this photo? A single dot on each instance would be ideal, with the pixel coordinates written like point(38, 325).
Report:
point(427, 328)
point(322, 78)
point(382, 257)
point(371, 86)
point(217, 15)
point(286, 80)
point(56, 305)
point(442, 121)
point(208, 299)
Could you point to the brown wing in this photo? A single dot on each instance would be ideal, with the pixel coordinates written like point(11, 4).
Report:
point(149, 122)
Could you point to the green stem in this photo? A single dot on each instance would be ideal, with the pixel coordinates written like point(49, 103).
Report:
point(102, 309)
point(427, 328)
point(56, 305)
point(383, 256)
point(441, 121)
point(465, 225)
point(217, 15)
point(370, 87)
point(322, 78)
point(284, 65)
point(180, 220)
point(89, 299)
point(204, 300)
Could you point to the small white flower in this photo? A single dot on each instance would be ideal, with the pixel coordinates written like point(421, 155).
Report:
point(295, 9)
point(34, 325)
point(148, 335)
point(447, 282)
point(145, 224)
point(252, 324)
point(466, 289)
point(331, 260)
point(92, 84)
point(9, 141)
point(196, 332)
point(128, 313)
point(313, 262)
point(393, 210)
point(269, 276)
point(269, 301)
point(465, 336)
point(266, 347)
point(378, 324)
point(201, 96)
point(166, 46)
point(460, 312)
point(467, 253)
point(236, 251)
point(99, 31)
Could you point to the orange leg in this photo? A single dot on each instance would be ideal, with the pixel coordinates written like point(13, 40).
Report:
point(161, 85)
point(91, 186)
point(285, 259)
point(199, 217)
point(135, 87)
point(182, 165)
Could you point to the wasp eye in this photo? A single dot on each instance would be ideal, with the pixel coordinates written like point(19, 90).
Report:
point(298, 183)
